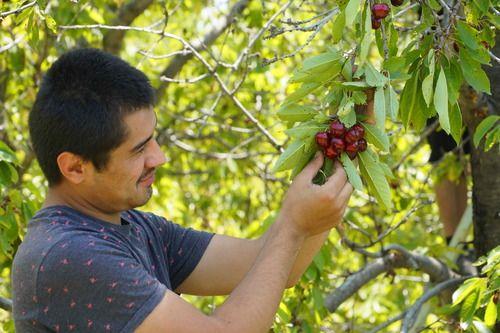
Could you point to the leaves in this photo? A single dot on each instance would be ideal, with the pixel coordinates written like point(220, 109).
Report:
point(456, 123)
point(295, 112)
point(338, 27)
point(483, 127)
point(289, 158)
point(473, 73)
point(428, 82)
point(351, 11)
point(379, 106)
point(391, 102)
point(441, 101)
point(375, 178)
point(376, 136)
point(352, 173)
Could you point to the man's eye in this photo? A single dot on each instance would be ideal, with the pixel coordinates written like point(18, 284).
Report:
point(141, 150)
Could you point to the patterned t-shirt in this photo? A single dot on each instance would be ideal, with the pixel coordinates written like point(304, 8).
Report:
point(77, 273)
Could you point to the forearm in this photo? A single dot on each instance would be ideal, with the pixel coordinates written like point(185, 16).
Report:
point(306, 253)
point(252, 305)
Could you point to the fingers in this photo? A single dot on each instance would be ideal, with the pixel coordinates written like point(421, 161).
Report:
point(311, 169)
point(345, 194)
point(337, 180)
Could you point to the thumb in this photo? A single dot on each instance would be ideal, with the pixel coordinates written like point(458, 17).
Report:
point(312, 168)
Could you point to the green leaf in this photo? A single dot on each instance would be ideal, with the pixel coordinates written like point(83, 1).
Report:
point(305, 130)
point(469, 307)
point(456, 122)
point(358, 97)
point(428, 82)
point(300, 93)
point(352, 173)
point(413, 110)
point(290, 156)
point(6, 154)
point(473, 73)
point(322, 59)
point(464, 290)
point(483, 127)
point(467, 35)
point(351, 11)
point(492, 138)
point(373, 77)
point(441, 102)
point(454, 78)
point(376, 136)
point(379, 106)
point(346, 112)
point(375, 178)
point(490, 315)
point(295, 112)
point(356, 85)
point(304, 158)
point(391, 102)
point(51, 23)
point(338, 27)
point(480, 327)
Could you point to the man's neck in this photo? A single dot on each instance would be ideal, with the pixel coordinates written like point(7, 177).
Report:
point(59, 196)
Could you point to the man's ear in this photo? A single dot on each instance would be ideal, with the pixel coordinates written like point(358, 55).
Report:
point(72, 167)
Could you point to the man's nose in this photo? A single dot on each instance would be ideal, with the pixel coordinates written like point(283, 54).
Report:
point(157, 157)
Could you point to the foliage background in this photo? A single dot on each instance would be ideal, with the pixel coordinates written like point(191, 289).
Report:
point(218, 176)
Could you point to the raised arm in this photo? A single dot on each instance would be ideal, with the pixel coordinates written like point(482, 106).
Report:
point(307, 210)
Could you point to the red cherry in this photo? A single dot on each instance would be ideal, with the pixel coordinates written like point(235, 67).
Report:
point(322, 139)
point(352, 149)
point(351, 136)
point(360, 131)
point(380, 10)
point(397, 3)
point(331, 153)
point(376, 23)
point(338, 144)
point(337, 129)
point(362, 145)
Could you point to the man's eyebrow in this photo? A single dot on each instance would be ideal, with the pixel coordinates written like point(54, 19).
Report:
point(140, 144)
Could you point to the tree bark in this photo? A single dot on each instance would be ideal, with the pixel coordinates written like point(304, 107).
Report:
point(112, 41)
point(485, 165)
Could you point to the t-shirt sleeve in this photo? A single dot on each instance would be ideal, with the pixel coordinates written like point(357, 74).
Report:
point(185, 247)
point(87, 284)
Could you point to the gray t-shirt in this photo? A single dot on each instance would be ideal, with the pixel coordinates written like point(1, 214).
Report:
point(76, 273)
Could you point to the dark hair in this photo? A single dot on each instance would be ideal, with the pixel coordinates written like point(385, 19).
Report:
point(80, 108)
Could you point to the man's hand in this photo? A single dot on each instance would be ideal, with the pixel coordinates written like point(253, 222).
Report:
point(310, 209)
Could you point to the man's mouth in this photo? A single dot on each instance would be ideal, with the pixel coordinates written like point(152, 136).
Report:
point(148, 178)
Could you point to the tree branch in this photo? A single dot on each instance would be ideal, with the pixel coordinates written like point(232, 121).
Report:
point(399, 257)
point(5, 304)
point(412, 312)
point(112, 41)
point(180, 60)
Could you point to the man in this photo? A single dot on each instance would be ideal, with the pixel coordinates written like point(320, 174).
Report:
point(91, 262)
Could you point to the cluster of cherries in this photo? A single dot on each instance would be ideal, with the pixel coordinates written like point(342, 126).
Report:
point(381, 10)
point(337, 139)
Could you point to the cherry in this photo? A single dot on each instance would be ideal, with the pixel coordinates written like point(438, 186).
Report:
point(351, 136)
point(362, 145)
point(337, 129)
point(397, 3)
point(331, 153)
point(352, 149)
point(338, 144)
point(360, 131)
point(322, 139)
point(376, 23)
point(380, 10)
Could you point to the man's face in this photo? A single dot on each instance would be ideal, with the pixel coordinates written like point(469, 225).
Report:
point(126, 180)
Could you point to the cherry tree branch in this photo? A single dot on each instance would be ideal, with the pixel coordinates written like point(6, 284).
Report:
point(397, 257)
point(113, 39)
